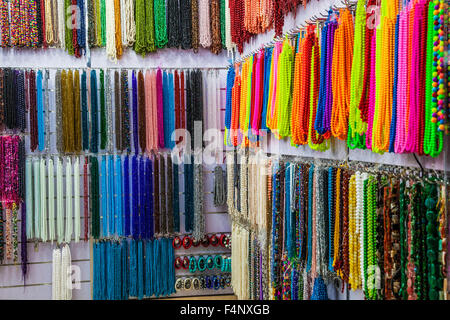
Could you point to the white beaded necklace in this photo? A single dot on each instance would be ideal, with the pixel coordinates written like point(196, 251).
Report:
point(66, 267)
point(76, 196)
point(244, 187)
point(37, 199)
point(230, 182)
point(204, 23)
point(360, 178)
point(29, 197)
point(59, 202)
point(43, 181)
point(56, 275)
point(228, 42)
point(61, 24)
point(130, 24)
point(68, 194)
point(110, 31)
point(51, 201)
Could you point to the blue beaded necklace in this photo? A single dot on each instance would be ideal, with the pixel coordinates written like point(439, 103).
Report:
point(319, 290)
point(166, 113)
point(318, 123)
point(267, 63)
point(40, 111)
point(310, 226)
point(110, 195)
point(140, 270)
point(97, 295)
point(157, 266)
point(149, 178)
point(394, 93)
point(135, 197)
point(94, 112)
point(125, 276)
point(330, 218)
point(126, 195)
point(84, 112)
point(118, 197)
point(171, 112)
point(299, 222)
point(104, 192)
point(176, 199)
point(287, 210)
point(228, 102)
point(142, 203)
point(148, 268)
point(110, 271)
point(133, 269)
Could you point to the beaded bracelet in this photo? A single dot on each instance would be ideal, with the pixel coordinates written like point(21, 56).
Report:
point(205, 241)
point(228, 281)
point(208, 282)
point(201, 263)
point(178, 263)
point(195, 242)
point(187, 242)
point(224, 241)
point(202, 282)
point(215, 283)
point(196, 283)
point(222, 282)
point(177, 243)
point(179, 284)
point(185, 263)
point(214, 240)
point(210, 262)
point(218, 261)
point(192, 264)
point(187, 284)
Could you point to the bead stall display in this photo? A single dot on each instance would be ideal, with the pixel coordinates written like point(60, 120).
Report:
point(118, 180)
point(318, 222)
point(307, 87)
point(270, 149)
point(317, 229)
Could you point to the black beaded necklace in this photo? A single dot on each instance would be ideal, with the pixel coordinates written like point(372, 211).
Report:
point(126, 145)
point(170, 215)
point(173, 24)
point(2, 99)
point(189, 114)
point(10, 109)
point(185, 24)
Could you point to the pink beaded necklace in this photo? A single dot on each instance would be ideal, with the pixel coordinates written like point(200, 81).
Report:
point(412, 142)
point(372, 87)
point(257, 108)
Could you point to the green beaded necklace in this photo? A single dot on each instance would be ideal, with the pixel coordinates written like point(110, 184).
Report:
point(432, 242)
point(403, 241)
point(160, 23)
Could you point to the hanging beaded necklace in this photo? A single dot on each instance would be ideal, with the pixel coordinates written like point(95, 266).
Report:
point(357, 127)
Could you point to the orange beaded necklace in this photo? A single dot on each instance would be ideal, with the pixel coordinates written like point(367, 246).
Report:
point(341, 74)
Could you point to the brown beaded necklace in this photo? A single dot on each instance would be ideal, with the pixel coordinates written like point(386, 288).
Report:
point(345, 225)
point(195, 27)
point(77, 112)
point(216, 43)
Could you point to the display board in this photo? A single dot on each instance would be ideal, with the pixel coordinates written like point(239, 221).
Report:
point(38, 283)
